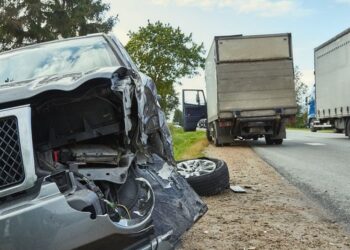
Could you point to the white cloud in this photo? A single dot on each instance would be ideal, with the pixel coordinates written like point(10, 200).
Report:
point(267, 8)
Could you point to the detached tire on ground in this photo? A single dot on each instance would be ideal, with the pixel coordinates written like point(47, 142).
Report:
point(207, 176)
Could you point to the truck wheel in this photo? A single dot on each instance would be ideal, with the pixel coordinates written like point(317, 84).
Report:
point(348, 128)
point(312, 128)
point(216, 140)
point(207, 176)
point(209, 137)
point(278, 141)
point(268, 140)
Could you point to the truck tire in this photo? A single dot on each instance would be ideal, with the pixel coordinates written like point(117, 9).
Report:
point(209, 137)
point(348, 128)
point(312, 128)
point(208, 184)
point(278, 141)
point(268, 140)
point(216, 140)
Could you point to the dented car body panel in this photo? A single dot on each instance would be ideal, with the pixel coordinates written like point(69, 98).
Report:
point(102, 166)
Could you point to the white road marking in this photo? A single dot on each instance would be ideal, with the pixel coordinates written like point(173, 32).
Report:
point(315, 144)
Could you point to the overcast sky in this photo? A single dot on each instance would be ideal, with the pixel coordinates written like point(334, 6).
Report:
point(311, 22)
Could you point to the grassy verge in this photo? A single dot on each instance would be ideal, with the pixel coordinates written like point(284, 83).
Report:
point(308, 130)
point(188, 145)
point(299, 129)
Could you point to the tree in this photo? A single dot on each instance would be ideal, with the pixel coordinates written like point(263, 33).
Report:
point(165, 54)
point(178, 117)
point(301, 90)
point(31, 21)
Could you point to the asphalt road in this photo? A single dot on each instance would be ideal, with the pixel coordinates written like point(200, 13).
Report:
point(317, 163)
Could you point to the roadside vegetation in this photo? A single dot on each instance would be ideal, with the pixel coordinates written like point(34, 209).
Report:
point(166, 54)
point(307, 129)
point(301, 90)
point(188, 145)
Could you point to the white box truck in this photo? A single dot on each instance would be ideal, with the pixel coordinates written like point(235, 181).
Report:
point(332, 76)
point(250, 89)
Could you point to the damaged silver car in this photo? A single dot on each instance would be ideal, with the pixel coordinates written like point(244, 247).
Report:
point(86, 158)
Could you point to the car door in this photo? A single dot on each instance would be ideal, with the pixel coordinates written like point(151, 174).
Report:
point(194, 108)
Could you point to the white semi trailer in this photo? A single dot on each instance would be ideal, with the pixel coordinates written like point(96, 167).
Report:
point(332, 76)
point(250, 89)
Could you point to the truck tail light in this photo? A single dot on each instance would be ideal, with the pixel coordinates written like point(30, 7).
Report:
point(223, 124)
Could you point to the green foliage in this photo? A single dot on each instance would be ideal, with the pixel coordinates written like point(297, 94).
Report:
point(301, 90)
point(31, 21)
point(165, 54)
point(178, 117)
point(188, 145)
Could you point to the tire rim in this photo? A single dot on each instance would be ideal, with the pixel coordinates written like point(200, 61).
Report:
point(195, 168)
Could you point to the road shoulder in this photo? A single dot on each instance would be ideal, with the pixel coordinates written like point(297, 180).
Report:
point(273, 214)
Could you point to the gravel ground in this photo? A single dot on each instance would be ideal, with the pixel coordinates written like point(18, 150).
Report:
point(273, 214)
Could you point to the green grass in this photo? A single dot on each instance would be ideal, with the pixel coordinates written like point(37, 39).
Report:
point(299, 129)
point(307, 129)
point(188, 145)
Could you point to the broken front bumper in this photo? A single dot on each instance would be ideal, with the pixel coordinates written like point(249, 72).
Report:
point(46, 221)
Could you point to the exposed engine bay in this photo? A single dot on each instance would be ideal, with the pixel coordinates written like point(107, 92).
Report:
point(79, 141)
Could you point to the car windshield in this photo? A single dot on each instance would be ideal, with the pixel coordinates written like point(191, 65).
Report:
point(64, 57)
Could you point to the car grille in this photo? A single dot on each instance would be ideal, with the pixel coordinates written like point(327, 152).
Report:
point(11, 163)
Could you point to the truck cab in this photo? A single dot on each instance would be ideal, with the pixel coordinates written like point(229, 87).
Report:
point(194, 108)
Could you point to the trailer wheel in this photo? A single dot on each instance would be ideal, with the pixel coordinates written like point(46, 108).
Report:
point(348, 128)
point(268, 140)
point(207, 176)
point(339, 131)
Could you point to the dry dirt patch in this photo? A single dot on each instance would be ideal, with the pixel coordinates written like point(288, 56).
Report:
point(273, 214)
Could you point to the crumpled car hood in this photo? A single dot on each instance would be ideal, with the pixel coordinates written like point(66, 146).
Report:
point(150, 113)
point(14, 91)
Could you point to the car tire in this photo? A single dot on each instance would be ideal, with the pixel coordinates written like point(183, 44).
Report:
point(212, 183)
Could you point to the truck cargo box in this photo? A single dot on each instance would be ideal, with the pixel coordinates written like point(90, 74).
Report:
point(250, 74)
point(332, 73)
